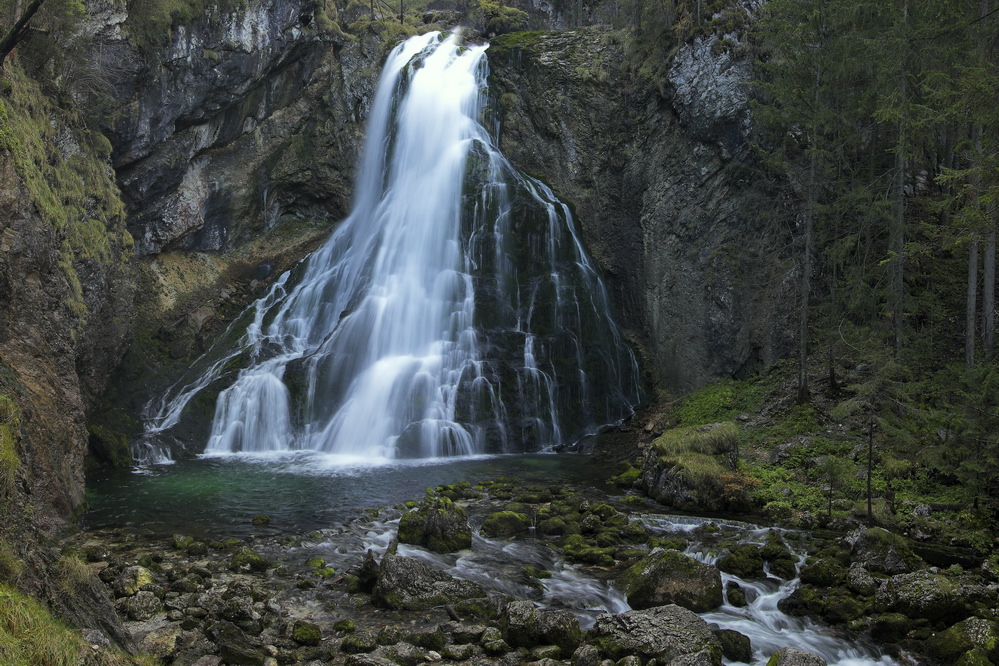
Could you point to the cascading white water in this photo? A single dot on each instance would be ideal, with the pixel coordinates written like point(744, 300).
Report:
point(453, 312)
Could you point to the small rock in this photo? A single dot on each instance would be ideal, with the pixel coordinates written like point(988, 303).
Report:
point(306, 633)
point(789, 656)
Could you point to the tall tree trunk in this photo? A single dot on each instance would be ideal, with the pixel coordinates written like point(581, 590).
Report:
point(806, 255)
point(970, 315)
point(17, 33)
point(989, 294)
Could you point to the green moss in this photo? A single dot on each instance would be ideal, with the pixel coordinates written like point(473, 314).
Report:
point(345, 625)
point(11, 566)
point(744, 561)
point(698, 439)
point(10, 461)
point(109, 447)
point(315, 563)
point(247, 557)
point(505, 523)
point(627, 478)
point(73, 189)
point(306, 633)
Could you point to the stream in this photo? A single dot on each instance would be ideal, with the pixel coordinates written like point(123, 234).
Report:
point(216, 497)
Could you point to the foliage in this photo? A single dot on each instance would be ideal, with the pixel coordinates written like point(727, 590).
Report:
point(498, 18)
point(722, 401)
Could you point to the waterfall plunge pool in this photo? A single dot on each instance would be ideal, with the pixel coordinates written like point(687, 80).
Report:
point(217, 496)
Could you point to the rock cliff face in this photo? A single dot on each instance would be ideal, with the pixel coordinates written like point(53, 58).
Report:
point(666, 190)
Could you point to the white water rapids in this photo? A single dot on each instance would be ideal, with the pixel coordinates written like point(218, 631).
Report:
point(454, 311)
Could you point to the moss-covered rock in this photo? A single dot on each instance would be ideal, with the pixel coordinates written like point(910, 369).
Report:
point(577, 549)
point(877, 549)
point(922, 594)
point(438, 525)
point(973, 634)
point(505, 524)
point(306, 633)
point(527, 626)
point(781, 562)
point(824, 573)
point(131, 580)
point(247, 558)
point(360, 642)
point(408, 584)
point(670, 577)
point(663, 633)
point(744, 561)
point(891, 627)
point(789, 656)
point(735, 646)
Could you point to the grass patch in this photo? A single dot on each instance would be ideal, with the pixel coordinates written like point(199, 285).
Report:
point(10, 423)
point(31, 636)
point(693, 439)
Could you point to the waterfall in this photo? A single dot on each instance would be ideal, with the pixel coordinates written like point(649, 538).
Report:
point(453, 312)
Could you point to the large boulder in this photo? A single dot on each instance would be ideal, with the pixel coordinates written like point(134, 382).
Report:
point(663, 633)
point(974, 635)
point(131, 580)
point(408, 584)
point(438, 525)
point(789, 656)
point(877, 549)
point(922, 594)
point(669, 577)
point(528, 626)
point(505, 524)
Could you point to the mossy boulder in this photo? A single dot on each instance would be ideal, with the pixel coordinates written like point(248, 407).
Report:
point(408, 584)
point(438, 525)
point(247, 558)
point(527, 626)
point(663, 633)
point(577, 549)
point(131, 580)
point(670, 577)
point(877, 549)
point(824, 573)
point(891, 627)
point(744, 561)
point(306, 633)
point(360, 642)
point(973, 634)
point(505, 524)
point(935, 597)
point(735, 646)
point(779, 558)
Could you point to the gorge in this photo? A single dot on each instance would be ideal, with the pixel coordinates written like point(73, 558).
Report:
point(203, 251)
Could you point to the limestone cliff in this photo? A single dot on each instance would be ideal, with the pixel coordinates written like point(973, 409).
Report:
point(666, 189)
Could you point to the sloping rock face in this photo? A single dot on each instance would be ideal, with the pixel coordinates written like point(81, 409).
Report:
point(248, 115)
point(666, 189)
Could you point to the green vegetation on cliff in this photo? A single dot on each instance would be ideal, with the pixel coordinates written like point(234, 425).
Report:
point(10, 422)
point(66, 172)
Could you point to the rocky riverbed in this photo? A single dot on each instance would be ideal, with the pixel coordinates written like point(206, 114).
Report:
point(503, 572)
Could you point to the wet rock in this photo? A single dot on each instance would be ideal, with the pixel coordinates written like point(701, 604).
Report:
point(306, 633)
point(585, 655)
point(496, 648)
point(735, 594)
point(781, 562)
point(458, 652)
point(161, 643)
point(408, 584)
point(735, 646)
point(467, 633)
point(922, 594)
point(405, 654)
point(527, 626)
point(860, 581)
point(431, 639)
point(702, 658)
point(438, 525)
point(235, 647)
point(131, 580)
point(670, 577)
point(824, 573)
point(360, 642)
point(974, 635)
point(368, 660)
point(248, 559)
point(663, 633)
point(505, 524)
point(744, 561)
point(877, 549)
point(139, 607)
point(890, 627)
point(789, 656)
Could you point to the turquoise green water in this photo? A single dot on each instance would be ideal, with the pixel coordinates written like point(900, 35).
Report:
point(217, 497)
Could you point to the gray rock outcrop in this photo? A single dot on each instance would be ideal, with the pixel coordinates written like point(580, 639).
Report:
point(663, 633)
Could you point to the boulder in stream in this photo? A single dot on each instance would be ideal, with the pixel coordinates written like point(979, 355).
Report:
point(528, 626)
point(438, 525)
point(663, 633)
point(405, 583)
point(669, 577)
point(923, 594)
point(789, 656)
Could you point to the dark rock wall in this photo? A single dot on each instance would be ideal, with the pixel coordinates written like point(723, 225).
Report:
point(667, 191)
